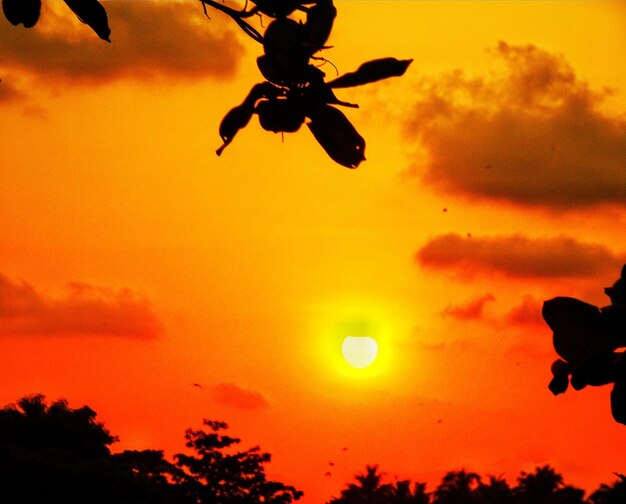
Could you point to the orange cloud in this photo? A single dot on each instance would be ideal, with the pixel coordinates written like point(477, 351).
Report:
point(150, 39)
point(534, 134)
point(85, 310)
point(526, 313)
point(472, 310)
point(229, 394)
point(8, 92)
point(518, 256)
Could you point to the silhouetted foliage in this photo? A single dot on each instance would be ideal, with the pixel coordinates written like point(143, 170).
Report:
point(457, 487)
point(367, 490)
point(610, 494)
point(90, 12)
point(496, 491)
point(53, 453)
point(56, 453)
point(586, 338)
point(543, 486)
point(295, 89)
point(218, 476)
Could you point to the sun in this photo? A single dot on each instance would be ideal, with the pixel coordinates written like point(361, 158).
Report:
point(359, 351)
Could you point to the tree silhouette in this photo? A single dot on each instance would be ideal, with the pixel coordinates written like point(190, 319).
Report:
point(542, 486)
point(368, 489)
point(496, 491)
point(457, 487)
point(610, 494)
point(545, 486)
point(219, 476)
point(401, 493)
point(53, 453)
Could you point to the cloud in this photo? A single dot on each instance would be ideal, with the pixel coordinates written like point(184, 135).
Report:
point(84, 310)
point(150, 39)
point(518, 256)
point(534, 134)
point(472, 310)
point(8, 92)
point(229, 394)
point(526, 313)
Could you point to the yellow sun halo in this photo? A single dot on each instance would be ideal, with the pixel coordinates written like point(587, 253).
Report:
point(359, 351)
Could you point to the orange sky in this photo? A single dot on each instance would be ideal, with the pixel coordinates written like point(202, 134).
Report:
point(135, 262)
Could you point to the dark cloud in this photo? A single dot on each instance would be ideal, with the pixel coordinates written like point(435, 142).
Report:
point(150, 39)
point(84, 310)
point(229, 394)
point(472, 310)
point(8, 92)
point(518, 256)
point(534, 134)
point(526, 313)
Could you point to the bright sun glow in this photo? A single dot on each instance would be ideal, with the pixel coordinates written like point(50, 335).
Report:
point(359, 351)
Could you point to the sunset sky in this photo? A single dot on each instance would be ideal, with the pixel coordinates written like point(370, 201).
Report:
point(134, 262)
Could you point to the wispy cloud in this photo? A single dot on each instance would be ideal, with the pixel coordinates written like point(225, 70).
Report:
point(471, 310)
point(230, 394)
point(517, 256)
point(8, 92)
point(150, 39)
point(532, 134)
point(85, 310)
point(528, 312)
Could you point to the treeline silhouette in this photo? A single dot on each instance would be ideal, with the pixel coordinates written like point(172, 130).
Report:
point(53, 453)
point(542, 486)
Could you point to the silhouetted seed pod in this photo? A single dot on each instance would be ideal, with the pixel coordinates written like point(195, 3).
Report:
point(575, 325)
point(24, 12)
point(284, 62)
point(92, 13)
point(337, 136)
point(277, 8)
point(618, 401)
point(282, 37)
point(318, 25)
point(280, 116)
point(372, 71)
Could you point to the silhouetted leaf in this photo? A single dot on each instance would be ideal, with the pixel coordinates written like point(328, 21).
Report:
point(236, 118)
point(24, 12)
point(618, 400)
point(92, 13)
point(319, 23)
point(372, 71)
point(337, 136)
point(239, 116)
